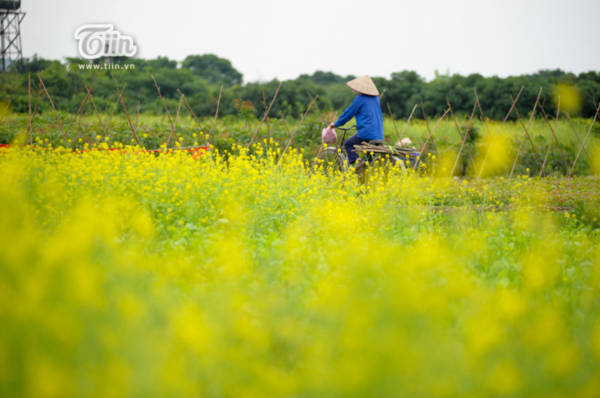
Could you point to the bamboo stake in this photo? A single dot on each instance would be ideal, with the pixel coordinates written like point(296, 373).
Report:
point(164, 104)
point(89, 92)
point(410, 116)
point(293, 135)
point(35, 110)
point(116, 106)
point(528, 136)
point(76, 118)
point(430, 136)
point(487, 127)
point(382, 94)
point(265, 115)
point(553, 130)
point(135, 137)
point(585, 139)
point(316, 103)
point(264, 98)
point(29, 119)
point(393, 121)
point(512, 107)
point(214, 125)
point(570, 123)
point(189, 108)
point(137, 114)
point(427, 123)
point(176, 120)
point(537, 100)
point(62, 128)
point(178, 110)
point(464, 136)
point(541, 173)
point(454, 118)
point(83, 103)
point(37, 99)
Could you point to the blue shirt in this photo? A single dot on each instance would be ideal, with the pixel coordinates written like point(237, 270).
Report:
point(369, 120)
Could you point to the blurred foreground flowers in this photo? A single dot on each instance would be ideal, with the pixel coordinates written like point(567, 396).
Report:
point(129, 274)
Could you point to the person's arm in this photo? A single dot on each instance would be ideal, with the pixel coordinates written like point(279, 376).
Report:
point(348, 113)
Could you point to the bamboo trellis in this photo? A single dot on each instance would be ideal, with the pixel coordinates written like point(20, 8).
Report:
point(183, 104)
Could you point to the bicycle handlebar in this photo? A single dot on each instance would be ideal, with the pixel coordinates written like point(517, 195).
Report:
point(346, 128)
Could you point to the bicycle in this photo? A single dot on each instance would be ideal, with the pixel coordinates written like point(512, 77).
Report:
point(334, 158)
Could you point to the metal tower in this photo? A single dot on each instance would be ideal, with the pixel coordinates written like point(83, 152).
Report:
point(11, 16)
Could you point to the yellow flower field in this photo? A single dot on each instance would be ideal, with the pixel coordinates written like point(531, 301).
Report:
point(129, 274)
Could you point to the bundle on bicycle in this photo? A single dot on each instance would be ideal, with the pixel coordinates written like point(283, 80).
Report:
point(368, 140)
point(402, 156)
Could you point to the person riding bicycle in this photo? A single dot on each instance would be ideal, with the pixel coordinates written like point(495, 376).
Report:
point(367, 110)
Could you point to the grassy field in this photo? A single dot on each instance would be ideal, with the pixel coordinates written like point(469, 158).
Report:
point(224, 133)
point(131, 274)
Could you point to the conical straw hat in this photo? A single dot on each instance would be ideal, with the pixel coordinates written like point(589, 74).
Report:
point(363, 84)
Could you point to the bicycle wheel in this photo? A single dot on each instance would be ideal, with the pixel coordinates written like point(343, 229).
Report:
point(330, 161)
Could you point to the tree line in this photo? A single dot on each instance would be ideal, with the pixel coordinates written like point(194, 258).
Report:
point(203, 79)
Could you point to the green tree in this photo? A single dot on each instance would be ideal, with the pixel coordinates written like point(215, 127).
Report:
point(213, 69)
point(323, 78)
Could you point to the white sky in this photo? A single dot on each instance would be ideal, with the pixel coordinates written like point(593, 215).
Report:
point(266, 39)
